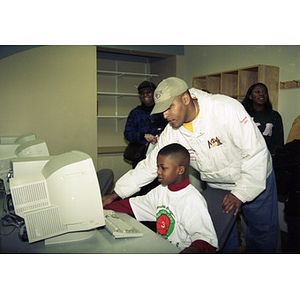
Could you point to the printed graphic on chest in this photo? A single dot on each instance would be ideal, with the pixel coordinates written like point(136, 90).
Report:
point(164, 223)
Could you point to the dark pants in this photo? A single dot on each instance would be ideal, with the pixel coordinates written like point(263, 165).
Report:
point(293, 223)
point(262, 218)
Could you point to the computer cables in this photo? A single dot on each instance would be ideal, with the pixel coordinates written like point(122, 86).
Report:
point(9, 221)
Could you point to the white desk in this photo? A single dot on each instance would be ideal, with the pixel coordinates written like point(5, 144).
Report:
point(101, 242)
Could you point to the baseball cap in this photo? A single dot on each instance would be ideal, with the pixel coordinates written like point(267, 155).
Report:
point(165, 93)
point(146, 85)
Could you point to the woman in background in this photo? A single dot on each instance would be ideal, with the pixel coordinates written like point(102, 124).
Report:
point(269, 121)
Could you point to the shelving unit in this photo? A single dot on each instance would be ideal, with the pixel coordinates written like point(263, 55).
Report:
point(235, 83)
point(147, 76)
point(117, 80)
point(118, 94)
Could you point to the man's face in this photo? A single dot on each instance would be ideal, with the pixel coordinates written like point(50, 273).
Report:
point(176, 113)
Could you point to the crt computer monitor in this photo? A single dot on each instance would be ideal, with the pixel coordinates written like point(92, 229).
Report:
point(32, 148)
point(17, 139)
point(37, 147)
point(59, 196)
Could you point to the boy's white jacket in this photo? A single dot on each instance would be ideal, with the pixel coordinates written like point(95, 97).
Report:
point(225, 146)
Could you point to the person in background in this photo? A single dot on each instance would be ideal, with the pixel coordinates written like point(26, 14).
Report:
point(227, 149)
point(294, 133)
point(140, 127)
point(178, 208)
point(258, 105)
point(286, 162)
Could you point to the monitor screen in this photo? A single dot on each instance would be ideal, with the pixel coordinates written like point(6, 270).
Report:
point(61, 196)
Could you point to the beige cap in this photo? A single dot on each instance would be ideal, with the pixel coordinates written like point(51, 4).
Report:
point(165, 93)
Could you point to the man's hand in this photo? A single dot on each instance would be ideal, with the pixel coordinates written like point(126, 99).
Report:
point(229, 202)
point(107, 199)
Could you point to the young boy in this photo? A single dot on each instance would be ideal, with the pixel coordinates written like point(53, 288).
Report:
point(178, 208)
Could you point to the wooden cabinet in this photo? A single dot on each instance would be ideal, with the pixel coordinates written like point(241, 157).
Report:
point(235, 83)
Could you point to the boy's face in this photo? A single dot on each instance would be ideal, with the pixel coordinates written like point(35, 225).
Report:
point(168, 171)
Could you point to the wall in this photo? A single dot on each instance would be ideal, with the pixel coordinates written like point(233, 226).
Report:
point(51, 91)
point(201, 60)
point(171, 66)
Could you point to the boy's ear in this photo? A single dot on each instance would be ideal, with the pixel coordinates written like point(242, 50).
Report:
point(181, 170)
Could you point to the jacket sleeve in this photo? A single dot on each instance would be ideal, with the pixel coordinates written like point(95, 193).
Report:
point(256, 160)
point(120, 206)
point(132, 131)
point(144, 172)
point(203, 247)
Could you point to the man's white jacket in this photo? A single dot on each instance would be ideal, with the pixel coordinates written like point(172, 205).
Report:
point(225, 146)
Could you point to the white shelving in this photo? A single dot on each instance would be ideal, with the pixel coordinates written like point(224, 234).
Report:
point(117, 94)
point(147, 76)
point(111, 117)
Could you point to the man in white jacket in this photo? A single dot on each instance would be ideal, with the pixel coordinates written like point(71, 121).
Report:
point(227, 149)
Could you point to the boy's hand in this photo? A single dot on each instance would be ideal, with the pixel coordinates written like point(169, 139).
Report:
point(107, 199)
point(229, 202)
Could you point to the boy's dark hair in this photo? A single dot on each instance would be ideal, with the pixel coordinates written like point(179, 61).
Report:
point(177, 151)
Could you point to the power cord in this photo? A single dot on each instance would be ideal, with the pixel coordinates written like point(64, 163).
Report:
point(10, 220)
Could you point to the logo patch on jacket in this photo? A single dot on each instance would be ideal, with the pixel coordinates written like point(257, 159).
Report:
point(214, 142)
point(244, 121)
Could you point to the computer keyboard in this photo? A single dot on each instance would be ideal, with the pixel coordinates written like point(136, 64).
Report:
point(118, 227)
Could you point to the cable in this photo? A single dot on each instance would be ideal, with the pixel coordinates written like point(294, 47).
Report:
point(8, 218)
